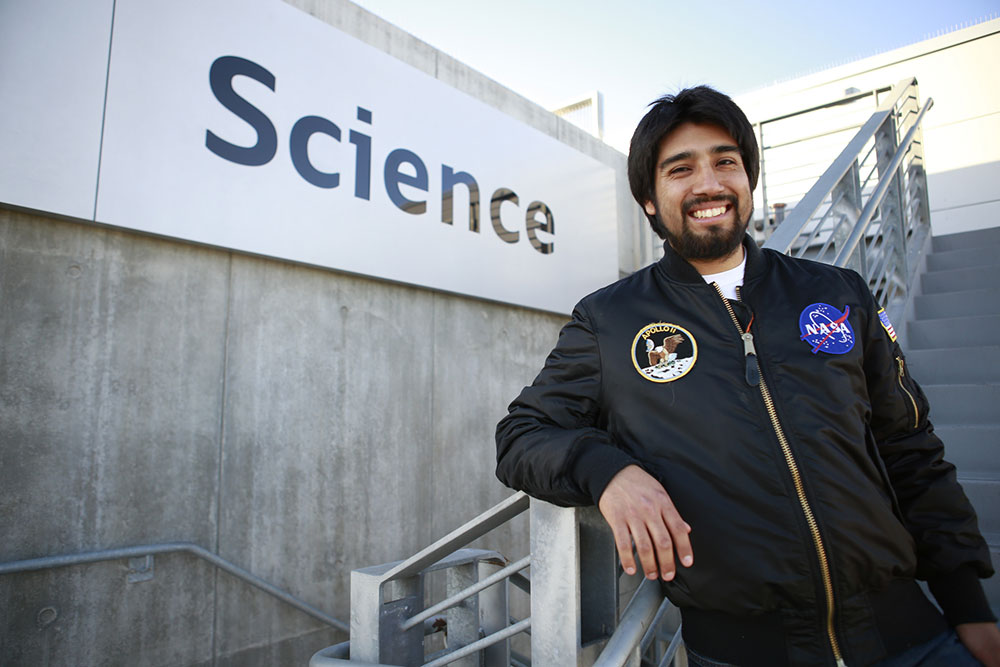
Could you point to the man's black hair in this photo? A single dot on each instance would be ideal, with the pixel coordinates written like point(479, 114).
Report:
point(700, 104)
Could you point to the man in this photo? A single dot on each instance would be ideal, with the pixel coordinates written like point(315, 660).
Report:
point(750, 417)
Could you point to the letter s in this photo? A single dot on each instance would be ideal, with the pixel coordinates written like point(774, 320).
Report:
point(220, 77)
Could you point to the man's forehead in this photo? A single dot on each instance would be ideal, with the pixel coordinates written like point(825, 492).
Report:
point(691, 136)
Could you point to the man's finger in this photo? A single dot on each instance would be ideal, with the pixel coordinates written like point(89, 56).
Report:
point(680, 532)
point(664, 543)
point(644, 548)
point(623, 542)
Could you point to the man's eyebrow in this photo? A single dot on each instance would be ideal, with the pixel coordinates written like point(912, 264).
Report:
point(684, 155)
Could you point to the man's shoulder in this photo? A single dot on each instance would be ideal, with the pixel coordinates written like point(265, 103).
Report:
point(812, 267)
point(621, 291)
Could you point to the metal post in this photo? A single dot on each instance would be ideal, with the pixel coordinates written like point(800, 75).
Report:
point(378, 609)
point(494, 615)
point(890, 211)
point(463, 619)
point(560, 598)
point(847, 200)
point(763, 184)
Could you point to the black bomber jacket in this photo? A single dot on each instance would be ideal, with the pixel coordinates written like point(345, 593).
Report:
point(803, 458)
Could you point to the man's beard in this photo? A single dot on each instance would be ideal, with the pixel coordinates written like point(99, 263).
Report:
point(716, 241)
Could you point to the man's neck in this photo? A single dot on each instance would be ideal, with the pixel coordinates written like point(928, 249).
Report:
point(718, 265)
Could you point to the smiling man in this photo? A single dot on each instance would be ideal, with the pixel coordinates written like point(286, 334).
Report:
point(745, 421)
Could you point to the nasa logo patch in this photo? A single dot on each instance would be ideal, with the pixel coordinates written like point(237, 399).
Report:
point(826, 329)
point(663, 352)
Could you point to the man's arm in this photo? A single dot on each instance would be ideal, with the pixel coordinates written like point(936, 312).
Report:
point(982, 640)
point(951, 553)
point(550, 445)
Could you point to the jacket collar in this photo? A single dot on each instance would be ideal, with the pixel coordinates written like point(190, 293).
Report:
point(677, 268)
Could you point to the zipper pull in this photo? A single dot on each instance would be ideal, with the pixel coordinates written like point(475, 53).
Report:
point(753, 368)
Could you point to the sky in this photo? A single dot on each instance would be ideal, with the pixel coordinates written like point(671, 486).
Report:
point(633, 51)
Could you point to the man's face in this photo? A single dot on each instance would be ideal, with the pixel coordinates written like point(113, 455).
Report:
point(702, 192)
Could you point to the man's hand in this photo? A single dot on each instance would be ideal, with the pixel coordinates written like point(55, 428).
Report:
point(982, 640)
point(638, 509)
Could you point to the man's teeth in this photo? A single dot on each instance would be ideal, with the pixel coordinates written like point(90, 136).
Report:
point(708, 212)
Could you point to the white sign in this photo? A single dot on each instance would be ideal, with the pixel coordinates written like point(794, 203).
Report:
point(249, 124)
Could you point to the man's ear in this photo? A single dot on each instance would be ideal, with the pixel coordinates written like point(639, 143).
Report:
point(649, 207)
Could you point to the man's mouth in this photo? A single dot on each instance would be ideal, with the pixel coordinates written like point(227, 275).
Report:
point(709, 212)
point(710, 209)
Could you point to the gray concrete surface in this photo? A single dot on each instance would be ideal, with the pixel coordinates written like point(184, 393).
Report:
point(297, 421)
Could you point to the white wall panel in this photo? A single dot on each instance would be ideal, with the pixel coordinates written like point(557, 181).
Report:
point(53, 67)
point(158, 175)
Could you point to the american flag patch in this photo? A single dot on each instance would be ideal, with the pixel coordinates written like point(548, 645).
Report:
point(886, 324)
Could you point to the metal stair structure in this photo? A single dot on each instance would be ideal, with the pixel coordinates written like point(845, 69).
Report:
point(953, 351)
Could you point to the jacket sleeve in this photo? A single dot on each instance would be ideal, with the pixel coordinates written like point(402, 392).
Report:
point(951, 553)
point(549, 444)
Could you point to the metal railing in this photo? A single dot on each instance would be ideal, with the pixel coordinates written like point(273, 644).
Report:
point(796, 148)
point(573, 593)
point(869, 209)
point(141, 569)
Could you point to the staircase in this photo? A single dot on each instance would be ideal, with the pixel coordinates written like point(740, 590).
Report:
point(953, 351)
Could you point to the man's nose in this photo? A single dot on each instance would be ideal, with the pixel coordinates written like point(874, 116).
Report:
point(708, 183)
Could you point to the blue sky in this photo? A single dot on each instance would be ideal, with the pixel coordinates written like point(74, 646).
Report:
point(635, 50)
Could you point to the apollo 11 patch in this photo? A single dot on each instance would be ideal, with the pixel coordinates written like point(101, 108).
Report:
point(664, 352)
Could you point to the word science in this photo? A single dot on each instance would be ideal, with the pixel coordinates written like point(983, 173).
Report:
point(281, 136)
point(402, 167)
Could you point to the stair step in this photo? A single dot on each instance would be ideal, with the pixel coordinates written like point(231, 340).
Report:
point(973, 449)
point(984, 255)
point(984, 301)
point(964, 403)
point(957, 280)
point(972, 331)
point(971, 239)
point(984, 494)
point(962, 365)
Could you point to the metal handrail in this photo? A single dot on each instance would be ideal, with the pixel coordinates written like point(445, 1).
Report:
point(637, 619)
point(399, 607)
point(461, 536)
point(876, 218)
point(466, 593)
point(875, 200)
point(786, 233)
point(485, 642)
point(34, 564)
point(765, 146)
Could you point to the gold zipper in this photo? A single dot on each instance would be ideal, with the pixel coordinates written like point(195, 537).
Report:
point(913, 401)
point(793, 467)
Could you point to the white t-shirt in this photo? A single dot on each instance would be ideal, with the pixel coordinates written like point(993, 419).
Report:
point(729, 280)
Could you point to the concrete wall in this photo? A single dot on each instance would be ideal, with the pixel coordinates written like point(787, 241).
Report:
point(961, 132)
point(296, 421)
